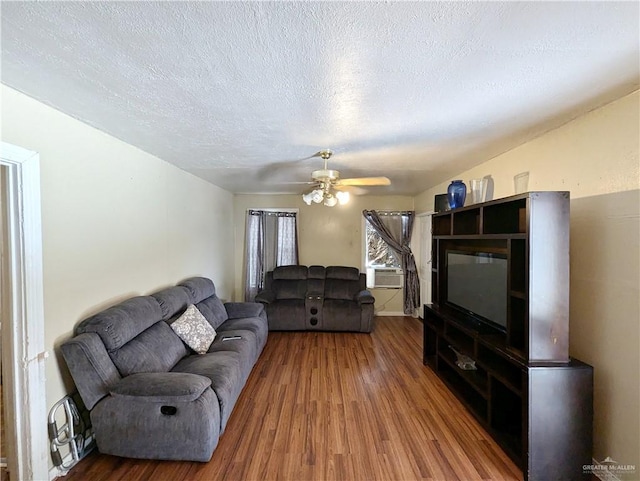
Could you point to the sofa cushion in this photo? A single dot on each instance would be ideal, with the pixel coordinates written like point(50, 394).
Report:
point(162, 387)
point(119, 324)
point(287, 315)
point(194, 330)
point(241, 341)
point(226, 374)
point(257, 325)
point(290, 272)
point(213, 310)
point(341, 289)
point(172, 301)
point(244, 309)
point(157, 349)
point(290, 289)
point(341, 315)
point(341, 272)
point(200, 288)
point(316, 272)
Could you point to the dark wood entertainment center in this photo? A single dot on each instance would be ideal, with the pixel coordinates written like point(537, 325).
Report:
point(534, 399)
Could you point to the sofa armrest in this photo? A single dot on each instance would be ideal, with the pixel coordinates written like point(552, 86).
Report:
point(365, 297)
point(92, 369)
point(161, 387)
point(237, 310)
point(265, 297)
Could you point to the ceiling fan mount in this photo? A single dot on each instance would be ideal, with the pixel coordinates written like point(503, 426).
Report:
point(325, 175)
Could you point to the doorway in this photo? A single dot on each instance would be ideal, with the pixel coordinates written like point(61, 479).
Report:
point(4, 475)
point(422, 242)
point(22, 326)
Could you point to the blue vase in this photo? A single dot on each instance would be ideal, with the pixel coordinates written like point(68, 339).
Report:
point(456, 193)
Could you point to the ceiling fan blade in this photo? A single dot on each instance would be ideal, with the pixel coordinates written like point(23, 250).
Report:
point(352, 189)
point(312, 182)
point(364, 181)
point(320, 153)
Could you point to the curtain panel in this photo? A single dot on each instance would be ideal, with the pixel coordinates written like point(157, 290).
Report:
point(271, 240)
point(395, 229)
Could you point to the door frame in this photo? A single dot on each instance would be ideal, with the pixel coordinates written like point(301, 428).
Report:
point(23, 335)
point(424, 257)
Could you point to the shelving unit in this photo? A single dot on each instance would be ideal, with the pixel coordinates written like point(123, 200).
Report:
point(526, 391)
point(528, 226)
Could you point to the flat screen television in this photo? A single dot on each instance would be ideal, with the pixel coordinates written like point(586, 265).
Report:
point(477, 285)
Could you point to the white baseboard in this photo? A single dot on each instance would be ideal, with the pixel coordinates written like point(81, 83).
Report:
point(389, 313)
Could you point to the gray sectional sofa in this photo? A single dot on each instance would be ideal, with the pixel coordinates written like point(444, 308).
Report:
point(151, 396)
point(317, 298)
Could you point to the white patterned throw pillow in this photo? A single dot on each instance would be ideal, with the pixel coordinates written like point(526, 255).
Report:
point(194, 330)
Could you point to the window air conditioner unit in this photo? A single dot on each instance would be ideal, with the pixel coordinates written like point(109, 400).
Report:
point(387, 277)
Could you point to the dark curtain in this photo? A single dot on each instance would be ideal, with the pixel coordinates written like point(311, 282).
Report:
point(271, 240)
point(395, 230)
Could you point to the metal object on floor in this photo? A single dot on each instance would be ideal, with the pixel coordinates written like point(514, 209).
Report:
point(74, 434)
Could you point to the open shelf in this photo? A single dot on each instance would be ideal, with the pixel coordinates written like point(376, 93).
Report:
point(442, 225)
point(506, 415)
point(466, 222)
point(499, 367)
point(476, 378)
point(431, 335)
point(517, 265)
point(517, 321)
point(505, 218)
point(460, 340)
point(469, 396)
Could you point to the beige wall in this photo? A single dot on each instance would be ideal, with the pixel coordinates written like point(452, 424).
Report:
point(327, 236)
point(116, 222)
point(596, 158)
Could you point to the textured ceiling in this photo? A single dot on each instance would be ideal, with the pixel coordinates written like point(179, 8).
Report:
point(240, 93)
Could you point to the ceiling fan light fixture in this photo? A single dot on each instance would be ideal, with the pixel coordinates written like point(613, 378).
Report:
point(308, 198)
point(326, 197)
point(316, 195)
point(330, 200)
point(343, 197)
point(329, 185)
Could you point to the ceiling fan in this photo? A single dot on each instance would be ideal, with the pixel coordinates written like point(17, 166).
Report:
point(327, 180)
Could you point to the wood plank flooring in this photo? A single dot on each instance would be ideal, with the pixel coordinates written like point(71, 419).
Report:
point(336, 406)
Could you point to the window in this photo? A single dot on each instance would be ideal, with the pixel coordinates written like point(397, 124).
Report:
point(391, 265)
point(271, 240)
point(377, 252)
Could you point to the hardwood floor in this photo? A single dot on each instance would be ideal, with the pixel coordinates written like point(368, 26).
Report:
point(336, 406)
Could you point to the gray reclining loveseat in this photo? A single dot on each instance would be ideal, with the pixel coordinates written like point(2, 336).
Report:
point(149, 394)
point(335, 298)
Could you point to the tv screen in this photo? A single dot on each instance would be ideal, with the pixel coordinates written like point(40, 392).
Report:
point(477, 284)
